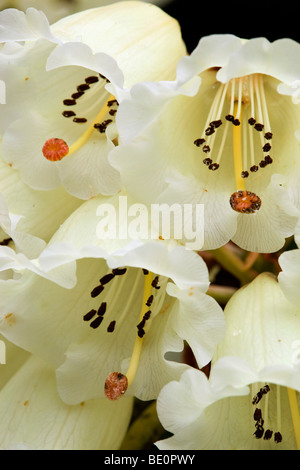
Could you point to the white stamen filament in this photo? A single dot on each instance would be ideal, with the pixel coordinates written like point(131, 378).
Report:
point(246, 100)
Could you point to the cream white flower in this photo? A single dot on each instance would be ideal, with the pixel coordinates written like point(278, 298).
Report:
point(34, 417)
point(228, 144)
point(132, 303)
point(250, 400)
point(70, 78)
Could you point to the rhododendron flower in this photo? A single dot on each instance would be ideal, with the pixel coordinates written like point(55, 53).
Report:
point(222, 134)
point(70, 77)
point(250, 400)
point(132, 303)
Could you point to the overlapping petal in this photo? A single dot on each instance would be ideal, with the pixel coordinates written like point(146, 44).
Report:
point(34, 417)
point(53, 325)
point(166, 119)
point(138, 42)
point(244, 404)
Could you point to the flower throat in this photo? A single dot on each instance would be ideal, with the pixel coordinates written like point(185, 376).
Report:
point(248, 116)
point(55, 149)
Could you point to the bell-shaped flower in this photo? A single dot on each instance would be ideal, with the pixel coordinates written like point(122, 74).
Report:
point(134, 300)
point(223, 135)
point(33, 416)
point(59, 126)
point(250, 400)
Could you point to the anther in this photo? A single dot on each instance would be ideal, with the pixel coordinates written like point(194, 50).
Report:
point(267, 147)
point(88, 316)
point(55, 149)
point(207, 161)
point(149, 301)
point(101, 127)
point(245, 174)
point(268, 135)
point(112, 102)
point(268, 160)
point(268, 435)
point(209, 131)
point(119, 271)
point(141, 332)
point(258, 127)
point(91, 79)
point(254, 168)
point(107, 278)
point(277, 437)
point(213, 166)
point(251, 121)
point(115, 386)
point(102, 309)
point(79, 120)
point(83, 87)
point(199, 142)
point(206, 149)
point(236, 122)
point(217, 123)
point(97, 322)
point(155, 283)
point(259, 432)
point(257, 415)
point(97, 290)
point(263, 391)
point(147, 315)
point(68, 114)
point(77, 95)
point(69, 102)
point(111, 326)
point(263, 164)
point(229, 117)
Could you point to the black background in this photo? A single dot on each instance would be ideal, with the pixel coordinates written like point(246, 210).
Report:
point(272, 20)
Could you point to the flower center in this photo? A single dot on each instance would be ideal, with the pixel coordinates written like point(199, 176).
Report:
point(55, 149)
point(240, 104)
point(117, 383)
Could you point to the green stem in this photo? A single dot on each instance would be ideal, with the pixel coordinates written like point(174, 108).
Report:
point(233, 264)
point(144, 431)
point(221, 293)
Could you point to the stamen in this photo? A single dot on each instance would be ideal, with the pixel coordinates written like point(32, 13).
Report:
point(111, 327)
point(88, 316)
point(97, 322)
point(295, 415)
point(97, 290)
point(56, 149)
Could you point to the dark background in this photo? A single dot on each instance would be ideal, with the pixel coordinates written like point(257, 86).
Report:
point(273, 20)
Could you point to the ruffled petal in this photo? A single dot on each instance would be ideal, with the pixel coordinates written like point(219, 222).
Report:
point(32, 413)
point(19, 26)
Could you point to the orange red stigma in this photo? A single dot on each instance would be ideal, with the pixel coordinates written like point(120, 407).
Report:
point(245, 202)
point(55, 149)
point(115, 385)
